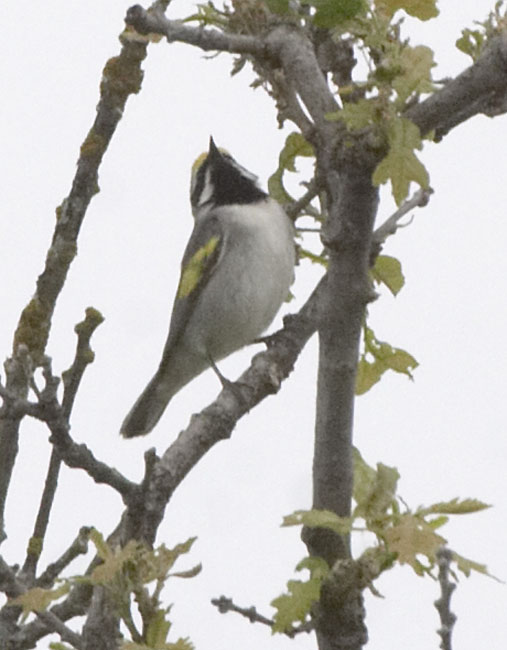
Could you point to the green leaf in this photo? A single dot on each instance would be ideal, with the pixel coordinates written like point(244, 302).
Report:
point(385, 357)
point(454, 507)
point(387, 270)
point(59, 646)
point(374, 490)
point(189, 573)
point(321, 519)
point(158, 629)
point(295, 145)
point(157, 563)
point(438, 522)
point(330, 13)
point(412, 536)
point(317, 566)
point(102, 547)
point(471, 42)
point(296, 605)
point(416, 76)
point(401, 166)
point(466, 566)
point(195, 267)
point(356, 115)
point(38, 600)
point(304, 253)
point(181, 644)
point(113, 561)
point(422, 9)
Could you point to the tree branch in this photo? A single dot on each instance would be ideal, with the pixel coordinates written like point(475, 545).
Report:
point(217, 421)
point(78, 547)
point(71, 379)
point(481, 88)
point(122, 77)
point(419, 199)
point(155, 22)
point(225, 605)
point(443, 604)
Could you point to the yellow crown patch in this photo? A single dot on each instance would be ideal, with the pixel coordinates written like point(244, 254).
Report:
point(200, 159)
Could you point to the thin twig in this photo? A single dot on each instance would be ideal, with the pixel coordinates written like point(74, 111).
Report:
point(71, 380)
point(224, 605)
point(83, 357)
point(293, 209)
point(78, 547)
point(391, 225)
point(36, 542)
point(443, 604)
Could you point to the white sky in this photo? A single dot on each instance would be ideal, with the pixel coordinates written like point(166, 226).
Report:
point(445, 431)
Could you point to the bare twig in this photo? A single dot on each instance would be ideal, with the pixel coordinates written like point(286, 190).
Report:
point(48, 410)
point(419, 199)
point(443, 604)
point(78, 547)
point(84, 356)
point(36, 542)
point(224, 605)
point(71, 380)
point(80, 456)
point(293, 209)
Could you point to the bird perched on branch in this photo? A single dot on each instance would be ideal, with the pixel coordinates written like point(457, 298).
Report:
point(236, 272)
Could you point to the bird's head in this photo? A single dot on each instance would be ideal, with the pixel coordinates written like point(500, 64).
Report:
point(217, 180)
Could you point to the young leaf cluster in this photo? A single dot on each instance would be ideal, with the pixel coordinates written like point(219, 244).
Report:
point(403, 536)
point(473, 41)
point(378, 357)
point(127, 573)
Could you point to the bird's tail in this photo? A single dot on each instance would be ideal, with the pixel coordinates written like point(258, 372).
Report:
point(178, 367)
point(148, 409)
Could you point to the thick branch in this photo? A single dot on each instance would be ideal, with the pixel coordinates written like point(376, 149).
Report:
point(155, 22)
point(481, 88)
point(284, 46)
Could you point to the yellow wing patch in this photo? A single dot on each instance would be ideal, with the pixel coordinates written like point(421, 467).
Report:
point(193, 270)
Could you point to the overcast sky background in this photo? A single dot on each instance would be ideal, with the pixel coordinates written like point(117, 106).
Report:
point(445, 431)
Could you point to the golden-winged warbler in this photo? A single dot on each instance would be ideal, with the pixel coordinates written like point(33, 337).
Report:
point(236, 272)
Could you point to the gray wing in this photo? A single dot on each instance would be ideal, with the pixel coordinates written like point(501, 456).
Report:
point(201, 257)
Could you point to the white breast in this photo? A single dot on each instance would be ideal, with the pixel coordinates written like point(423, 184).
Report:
point(251, 281)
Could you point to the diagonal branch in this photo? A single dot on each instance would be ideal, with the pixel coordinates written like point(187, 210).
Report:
point(122, 77)
point(481, 88)
point(217, 421)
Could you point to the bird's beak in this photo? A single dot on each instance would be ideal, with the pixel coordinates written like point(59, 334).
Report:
point(213, 149)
